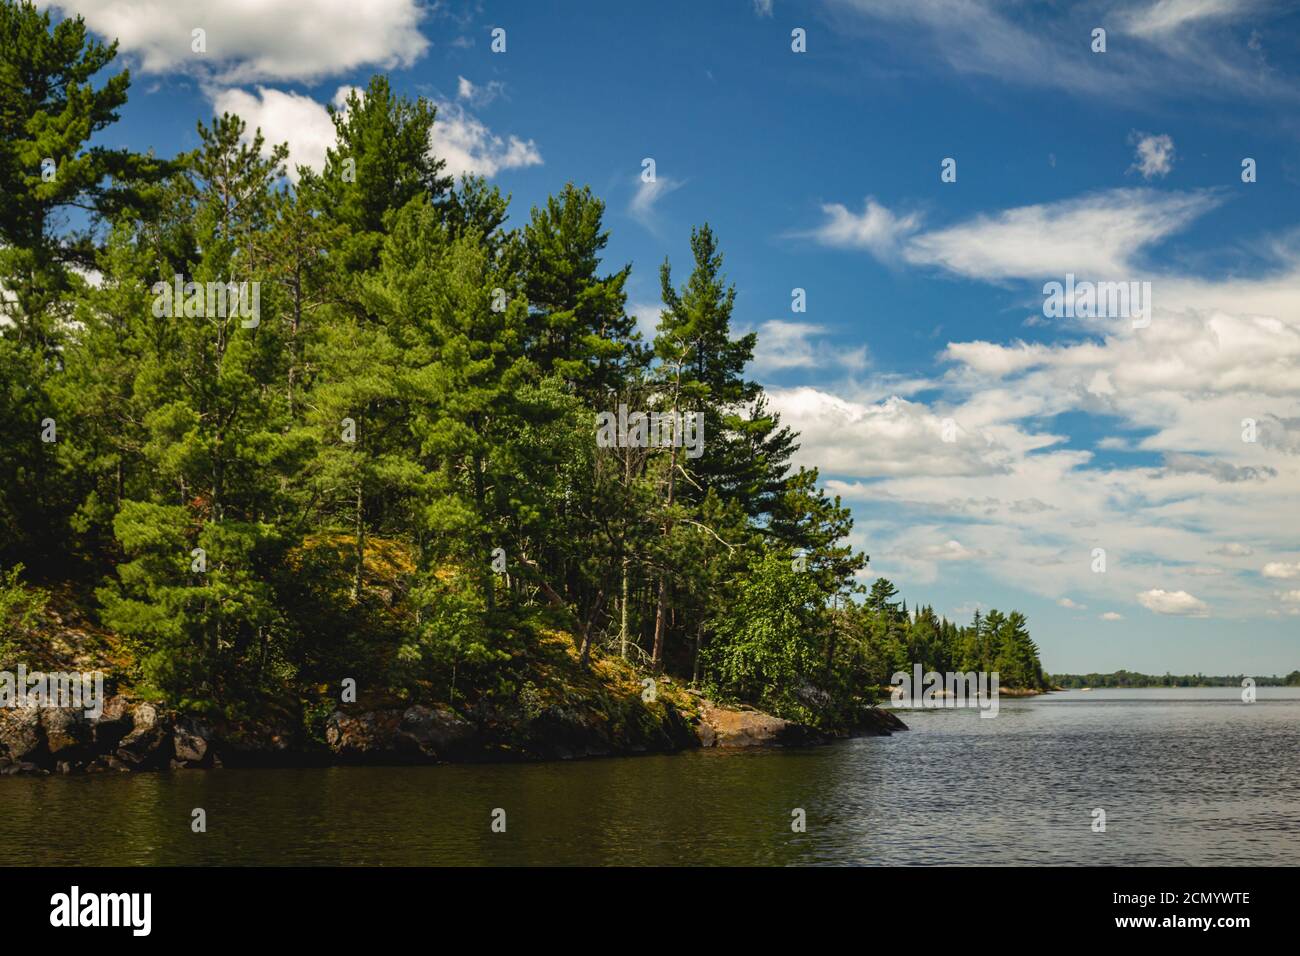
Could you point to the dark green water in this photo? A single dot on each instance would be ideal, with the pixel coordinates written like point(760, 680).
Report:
point(1185, 776)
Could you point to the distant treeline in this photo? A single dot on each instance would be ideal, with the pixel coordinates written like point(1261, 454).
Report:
point(1133, 679)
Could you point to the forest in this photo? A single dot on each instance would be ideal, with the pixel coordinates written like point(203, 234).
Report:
point(1124, 678)
point(389, 469)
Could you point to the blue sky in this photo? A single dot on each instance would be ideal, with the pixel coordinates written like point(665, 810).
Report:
point(925, 302)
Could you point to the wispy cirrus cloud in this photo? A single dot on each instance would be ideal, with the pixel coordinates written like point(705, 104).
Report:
point(647, 196)
point(1099, 235)
point(876, 229)
point(1179, 47)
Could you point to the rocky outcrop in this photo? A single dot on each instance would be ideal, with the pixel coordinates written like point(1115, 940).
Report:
point(190, 743)
point(752, 728)
point(746, 727)
point(20, 733)
point(149, 742)
point(368, 736)
point(133, 736)
point(436, 733)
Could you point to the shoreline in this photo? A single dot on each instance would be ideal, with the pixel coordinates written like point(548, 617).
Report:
point(136, 736)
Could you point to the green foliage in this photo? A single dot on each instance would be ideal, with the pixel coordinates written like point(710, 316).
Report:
point(769, 640)
point(21, 607)
point(392, 473)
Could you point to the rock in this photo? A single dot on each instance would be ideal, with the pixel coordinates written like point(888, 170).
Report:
point(190, 742)
point(364, 736)
point(704, 730)
point(66, 729)
point(148, 742)
point(565, 733)
point(752, 728)
point(436, 732)
point(24, 766)
point(274, 740)
point(20, 730)
point(878, 722)
point(108, 729)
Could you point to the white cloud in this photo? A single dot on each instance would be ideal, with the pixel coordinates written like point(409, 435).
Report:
point(786, 345)
point(648, 194)
point(1112, 616)
point(1154, 155)
point(891, 437)
point(950, 550)
point(468, 146)
point(1177, 464)
point(1070, 605)
point(476, 95)
point(1166, 16)
point(1098, 235)
point(459, 138)
point(1282, 569)
point(877, 230)
point(1192, 46)
point(248, 42)
point(283, 118)
point(647, 318)
point(1173, 602)
point(1217, 351)
point(1234, 550)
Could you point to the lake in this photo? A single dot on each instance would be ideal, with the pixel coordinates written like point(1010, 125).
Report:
point(1185, 776)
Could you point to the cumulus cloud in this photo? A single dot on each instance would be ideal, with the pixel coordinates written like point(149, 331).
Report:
point(1071, 605)
point(1282, 569)
point(300, 40)
point(1173, 602)
point(283, 117)
point(788, 345)
point(1154, 156)
point(468, 146)
point(459, 138)
point(889, 437)
point(1112, 616)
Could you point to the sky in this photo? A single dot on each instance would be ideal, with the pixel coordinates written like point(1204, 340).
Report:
point(922, 170)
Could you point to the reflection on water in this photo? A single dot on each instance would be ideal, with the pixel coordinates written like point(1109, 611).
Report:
point(1185, 776)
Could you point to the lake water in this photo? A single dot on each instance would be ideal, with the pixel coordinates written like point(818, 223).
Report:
point(1186, 776)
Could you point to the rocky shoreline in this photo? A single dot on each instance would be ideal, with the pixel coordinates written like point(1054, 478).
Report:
point(131, 736)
